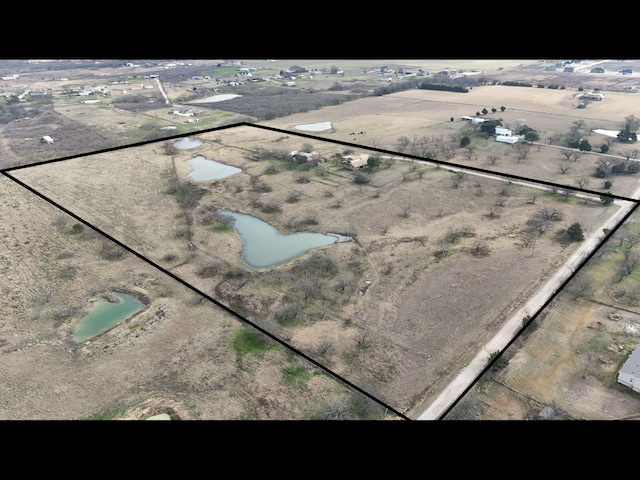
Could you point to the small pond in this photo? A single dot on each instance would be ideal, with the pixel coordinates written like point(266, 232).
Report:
point(204, 169)
point(264, 246)
point(105, 315)
point(187, 143)
point(315, 127)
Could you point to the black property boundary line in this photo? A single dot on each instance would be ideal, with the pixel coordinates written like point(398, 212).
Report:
point(6, 173)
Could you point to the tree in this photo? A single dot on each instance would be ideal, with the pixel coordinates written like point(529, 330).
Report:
point(531, 136)
point(584, 145)
point(632, 123)
point(627, 136)
point(373, 162)
point(606, 200)
point(502, 109)
point(575, 233)
point(582, 182)
point(464, 141)
point(403, 143)
point(362, 179)
point(489, 127)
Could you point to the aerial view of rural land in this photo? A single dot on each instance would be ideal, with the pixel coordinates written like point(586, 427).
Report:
point(320, 239)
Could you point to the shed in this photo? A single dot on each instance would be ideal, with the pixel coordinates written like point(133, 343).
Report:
point(629, 373)
point(545, 414)
point(46, 139)
point(475, 120)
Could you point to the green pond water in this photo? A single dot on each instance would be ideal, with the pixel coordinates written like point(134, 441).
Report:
point(105, 315)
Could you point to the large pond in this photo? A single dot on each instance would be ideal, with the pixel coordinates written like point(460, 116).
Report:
point(264, 246)
point(105, 315)
point(204, 169)
point(187, 143)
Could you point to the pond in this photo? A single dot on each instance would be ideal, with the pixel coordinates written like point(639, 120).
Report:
point(315, 127)
point(264, 246)
point(187, 143)
point(204, 169)
point(105, 315)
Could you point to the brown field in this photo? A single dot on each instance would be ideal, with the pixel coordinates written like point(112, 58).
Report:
point(427, 114)
point(159, 361)
point(392, 317)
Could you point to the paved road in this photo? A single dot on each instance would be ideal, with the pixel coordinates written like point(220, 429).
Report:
point(465, 378)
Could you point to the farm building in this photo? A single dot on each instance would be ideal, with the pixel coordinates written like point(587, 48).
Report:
point(312, 158)
point(506, 138)
point(503, 131)
point(354, 162)
point(475, 120)
point(629, 373)
point(505, 135)
point(592, 96)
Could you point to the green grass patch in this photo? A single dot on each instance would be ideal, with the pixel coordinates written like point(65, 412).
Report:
point(296, 377)
point(109, 414)
point(249, 342)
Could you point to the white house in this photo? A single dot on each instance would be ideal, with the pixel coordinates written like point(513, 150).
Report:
point(503, 131)
point(505, 135)
point(506, 138)
point(629, 373)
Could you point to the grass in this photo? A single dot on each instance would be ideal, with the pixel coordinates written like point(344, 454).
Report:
point(296, 377)
point(249, 342)
point(109, 414)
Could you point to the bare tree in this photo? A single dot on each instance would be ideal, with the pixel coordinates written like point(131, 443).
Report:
point(579, 288)
point(554, 138)
point(582, 182)
point(567, 153)
point(522, 151)
point(480, 248)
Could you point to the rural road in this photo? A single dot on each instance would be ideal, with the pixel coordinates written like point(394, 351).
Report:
point(468, 375)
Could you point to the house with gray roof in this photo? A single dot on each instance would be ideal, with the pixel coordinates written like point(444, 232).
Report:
point(629, 373)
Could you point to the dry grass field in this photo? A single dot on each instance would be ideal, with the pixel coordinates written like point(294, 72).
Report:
point(180, 356)
point(437, 268)
point(438, 263)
